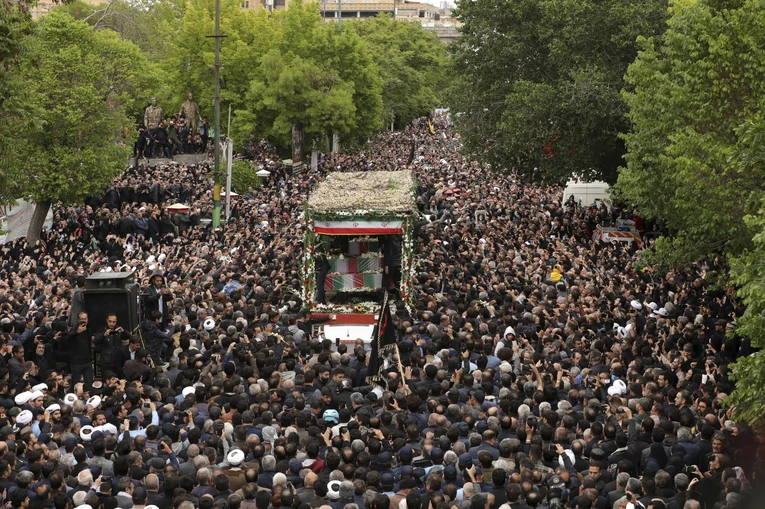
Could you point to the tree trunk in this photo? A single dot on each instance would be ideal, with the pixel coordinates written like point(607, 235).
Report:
point(298, 142)
point(38, 221)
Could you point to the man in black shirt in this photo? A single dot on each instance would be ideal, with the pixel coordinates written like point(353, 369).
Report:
point(78, 342)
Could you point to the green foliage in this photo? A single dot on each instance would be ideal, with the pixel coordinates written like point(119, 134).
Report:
point(149, 24)
point(16, 104)
point(83, 82)
point(243, 176)
point(748, 273)
point(537, 83)
point(278, 68)
point(694, 154)
point(190, 55)
point(314, 74)
point(412, 65)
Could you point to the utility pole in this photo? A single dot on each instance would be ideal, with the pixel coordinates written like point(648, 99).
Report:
point(340, 13)
point(216, 121)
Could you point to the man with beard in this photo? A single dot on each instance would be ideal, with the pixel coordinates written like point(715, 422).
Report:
point(157, 297)
point(109, 340)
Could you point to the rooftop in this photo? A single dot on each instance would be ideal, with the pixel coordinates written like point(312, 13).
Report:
point(365, 193)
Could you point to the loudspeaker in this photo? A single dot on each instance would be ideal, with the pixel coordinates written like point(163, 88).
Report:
point(109, 280)
point(121, 301)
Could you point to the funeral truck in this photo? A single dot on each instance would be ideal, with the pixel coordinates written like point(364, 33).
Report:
point(359, 238)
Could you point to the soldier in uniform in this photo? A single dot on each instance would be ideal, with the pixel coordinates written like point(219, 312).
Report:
point(190, 111)
point(153, 115)
point(152, 118)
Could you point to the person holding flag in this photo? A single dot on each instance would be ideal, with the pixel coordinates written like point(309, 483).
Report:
point(384, 340)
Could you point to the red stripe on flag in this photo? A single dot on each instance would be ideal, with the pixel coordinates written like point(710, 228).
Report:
point(358, 231)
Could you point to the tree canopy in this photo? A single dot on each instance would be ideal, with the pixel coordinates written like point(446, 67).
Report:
point(87, 84)
point(15, 100)
point(281, 68)
point(695, 155)
point(74, 85)
point(536, 84)
point(412, 65)
point(313, 74)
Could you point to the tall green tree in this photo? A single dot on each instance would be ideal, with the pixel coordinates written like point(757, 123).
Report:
point(411, 62)
point(149, 24)
point(695, 156)
point(315, 75)
point(536, 83)
point(16, 105)
point(748, 273)
point(189, 65)
point(694, 96)
point(85, 83)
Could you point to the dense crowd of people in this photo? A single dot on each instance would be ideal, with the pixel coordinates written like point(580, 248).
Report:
point(173, 136)
point(542, 370)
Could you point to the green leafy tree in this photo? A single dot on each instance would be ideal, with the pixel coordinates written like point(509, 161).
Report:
point(16, 104)
point(149, 24)
point(84, 82)
point(314, 75)
point(694, 95)
point(748, 273)
point(695, 157)
point(189, 64)
point(411, 62)
point(536, 83)
point(244, 176)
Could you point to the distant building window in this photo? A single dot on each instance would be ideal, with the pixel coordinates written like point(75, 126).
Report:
point(247, 4)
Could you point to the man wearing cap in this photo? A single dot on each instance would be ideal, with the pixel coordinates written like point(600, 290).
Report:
point(235, 474)
point(78, 343)
point(386, 484)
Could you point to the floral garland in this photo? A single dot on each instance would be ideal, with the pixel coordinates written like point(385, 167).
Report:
point(309, 261)
point(346, 309)
point(372, 215)
point(408, 265)
point(359, 290)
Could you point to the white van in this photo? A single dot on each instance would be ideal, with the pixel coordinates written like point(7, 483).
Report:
point(587, 193)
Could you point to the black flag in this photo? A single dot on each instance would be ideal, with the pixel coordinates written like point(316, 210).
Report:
point(411, 152)
point(383, 339)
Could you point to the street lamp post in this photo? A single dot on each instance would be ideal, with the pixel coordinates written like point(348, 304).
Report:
point(216, 121)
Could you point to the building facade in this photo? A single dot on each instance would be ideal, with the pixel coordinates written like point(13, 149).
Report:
point(42, 7)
